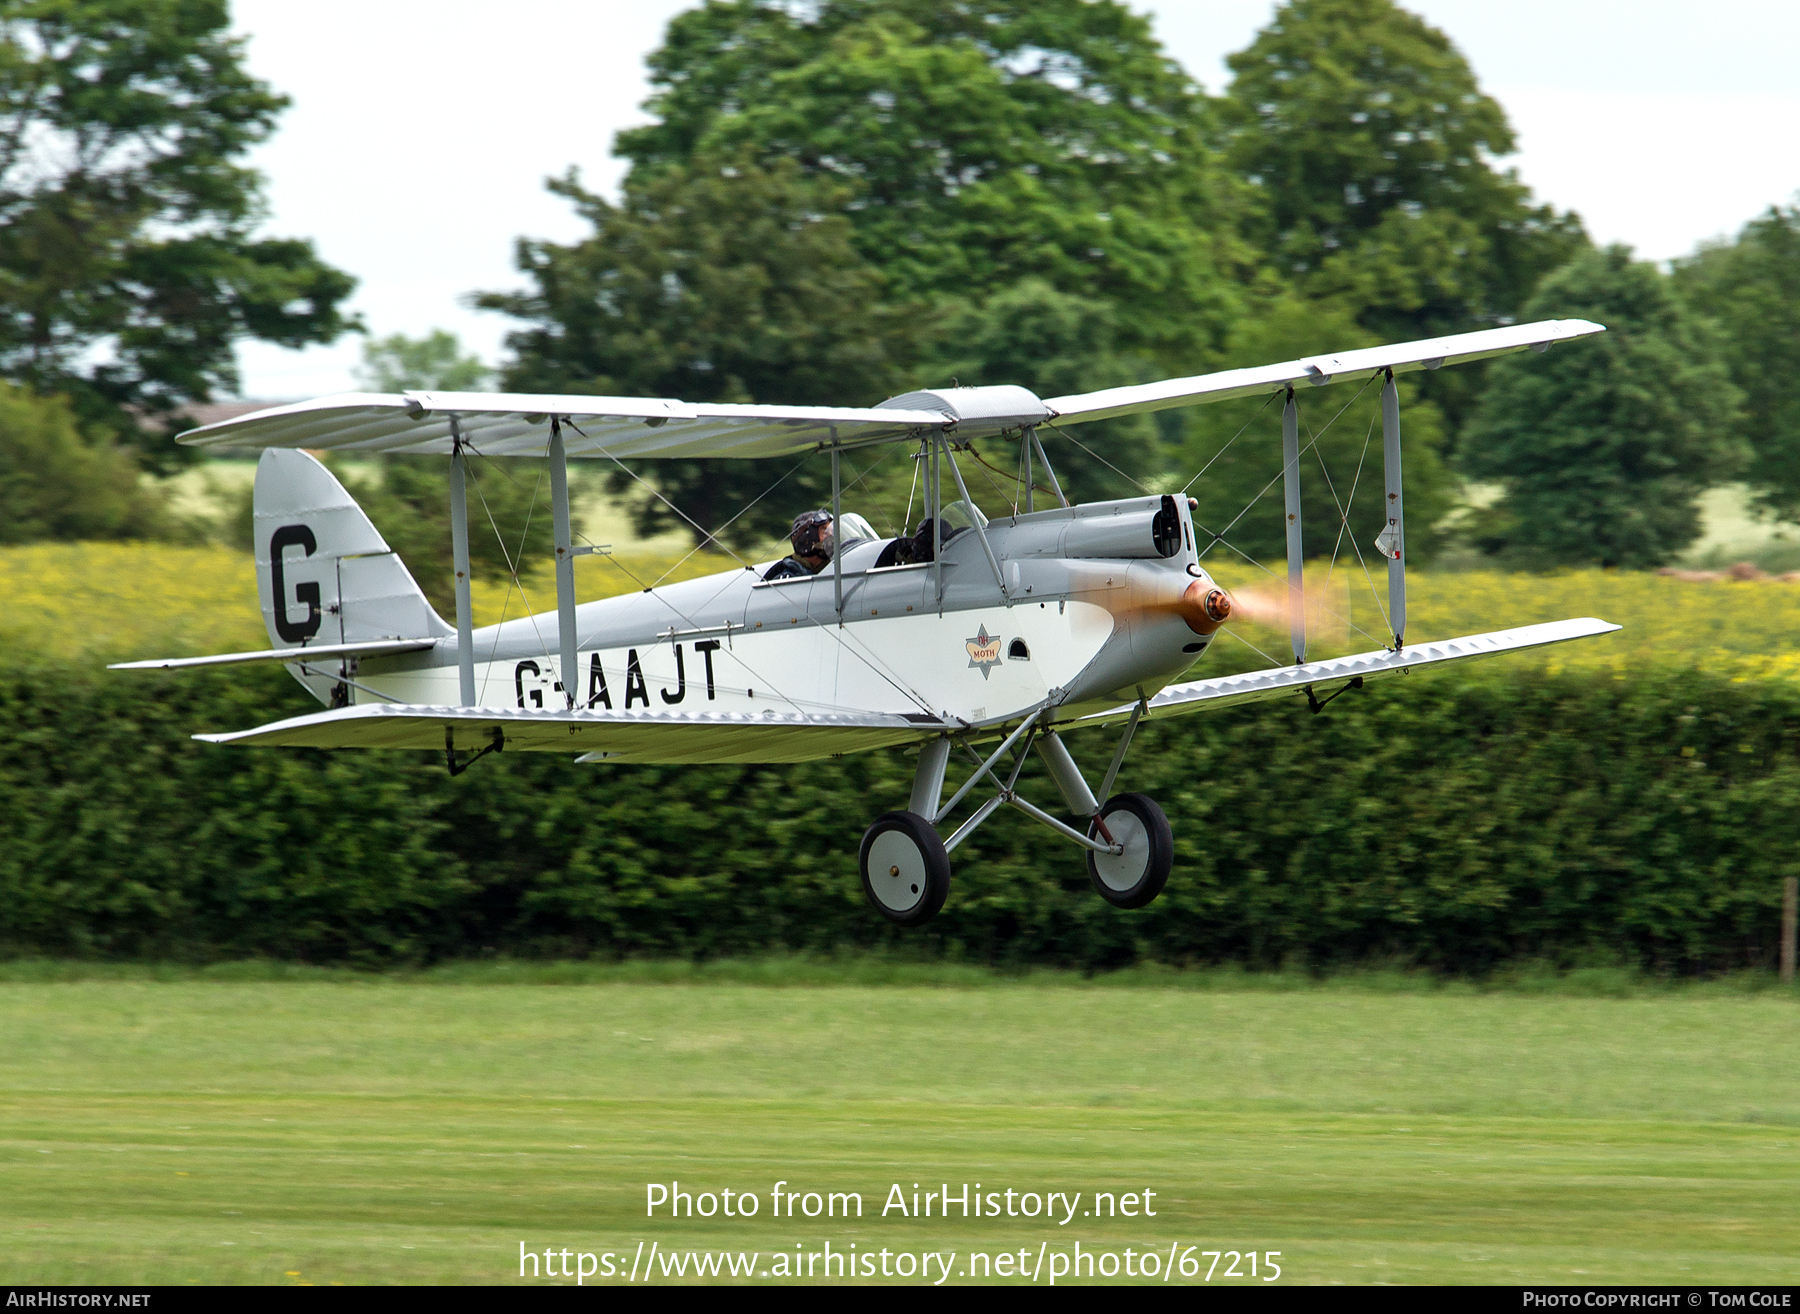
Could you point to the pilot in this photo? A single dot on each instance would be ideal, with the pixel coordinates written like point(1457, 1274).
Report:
point(813, 543)
point(915, 550)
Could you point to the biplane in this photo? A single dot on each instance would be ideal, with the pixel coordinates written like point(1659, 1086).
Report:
point(985, 638)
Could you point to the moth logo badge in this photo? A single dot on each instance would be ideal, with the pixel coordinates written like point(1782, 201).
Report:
point(984, 651)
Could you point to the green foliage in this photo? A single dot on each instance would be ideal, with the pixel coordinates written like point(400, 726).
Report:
point(1751, 289)
point(840, 202)
point(1647, 819)
point(433, 363)
point(720, 282)
point(975, 144)
point(1604, 444)
point(1369, 144)
point(126, 213)
point(56, 484)
point(1238, 445)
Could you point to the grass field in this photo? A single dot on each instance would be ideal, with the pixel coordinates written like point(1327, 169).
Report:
point(335, 1129)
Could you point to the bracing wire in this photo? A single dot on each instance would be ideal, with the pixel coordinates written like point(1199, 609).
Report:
point(512, 568)
point(699, 547)
point(1103, 461)
point(1019, 480)
point(1220, 536)
point(899, 687)
point(1344, 520)
point(657, 494)
point(1234, 437)
point(1251, 646)
point(873, 467)
point(998, 491)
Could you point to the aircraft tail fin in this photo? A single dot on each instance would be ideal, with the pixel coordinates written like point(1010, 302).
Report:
point(324, 574)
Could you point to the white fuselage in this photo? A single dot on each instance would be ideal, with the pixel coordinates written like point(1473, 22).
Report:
point(939, 640)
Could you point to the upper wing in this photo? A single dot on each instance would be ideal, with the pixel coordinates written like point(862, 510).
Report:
point(1228, 690)
point(517, 424)
point(643, 737)
point(1401, 358)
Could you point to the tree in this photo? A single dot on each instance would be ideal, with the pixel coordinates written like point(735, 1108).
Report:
point(1603, 444)
point(55, 483)
point(1751, 289)
point(1233, 450)
point(433, 363)
point(973, 146)
point(1053, 343)
point(715, 282)
point(837, 200)
point(1369, 147)
point(127, 263)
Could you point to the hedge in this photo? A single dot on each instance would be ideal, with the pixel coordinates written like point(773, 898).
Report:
point(1449, 820)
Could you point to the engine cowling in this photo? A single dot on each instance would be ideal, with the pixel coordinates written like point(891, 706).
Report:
point(1153, 531)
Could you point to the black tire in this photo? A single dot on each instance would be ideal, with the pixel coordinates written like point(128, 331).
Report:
point(912, 872)
point(1136, 877)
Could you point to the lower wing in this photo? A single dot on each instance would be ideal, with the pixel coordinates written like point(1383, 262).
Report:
point(1229, 690)
point(647, 737)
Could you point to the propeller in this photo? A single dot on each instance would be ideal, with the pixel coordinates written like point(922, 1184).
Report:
point(1269, 604)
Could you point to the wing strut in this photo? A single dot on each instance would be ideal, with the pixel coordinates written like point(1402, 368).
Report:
point(565, 559)
point(837, 532)
point(1025, 456)
point(975, 519)
point(1296, 565)
point(934, 507)
point(1038, 445)
point(1392, 540)
point(459, 551)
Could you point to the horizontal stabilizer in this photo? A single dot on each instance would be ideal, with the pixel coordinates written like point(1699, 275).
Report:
point(1229, 690)
point(316, 653)
point(643, 737)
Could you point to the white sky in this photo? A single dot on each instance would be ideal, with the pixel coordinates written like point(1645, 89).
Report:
point(422, 130)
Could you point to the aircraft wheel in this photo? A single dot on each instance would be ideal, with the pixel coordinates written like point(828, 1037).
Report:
point(1133, 878)
point(905, 871)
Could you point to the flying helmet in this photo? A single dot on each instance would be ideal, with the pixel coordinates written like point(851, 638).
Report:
point(811, 534)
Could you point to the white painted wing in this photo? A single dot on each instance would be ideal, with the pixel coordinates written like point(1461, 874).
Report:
point(317, 652)
point(643, 737)
point(1402, 358)
point(517, 424)
point(1328, 675)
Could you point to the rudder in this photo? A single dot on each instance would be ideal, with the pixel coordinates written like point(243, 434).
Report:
point(324, 574)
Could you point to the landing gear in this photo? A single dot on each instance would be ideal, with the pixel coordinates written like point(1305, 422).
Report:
point(906, 866)
point(1134, 877)
point(905, 869)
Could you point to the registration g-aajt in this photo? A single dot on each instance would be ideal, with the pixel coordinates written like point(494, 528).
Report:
point(987, 641)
